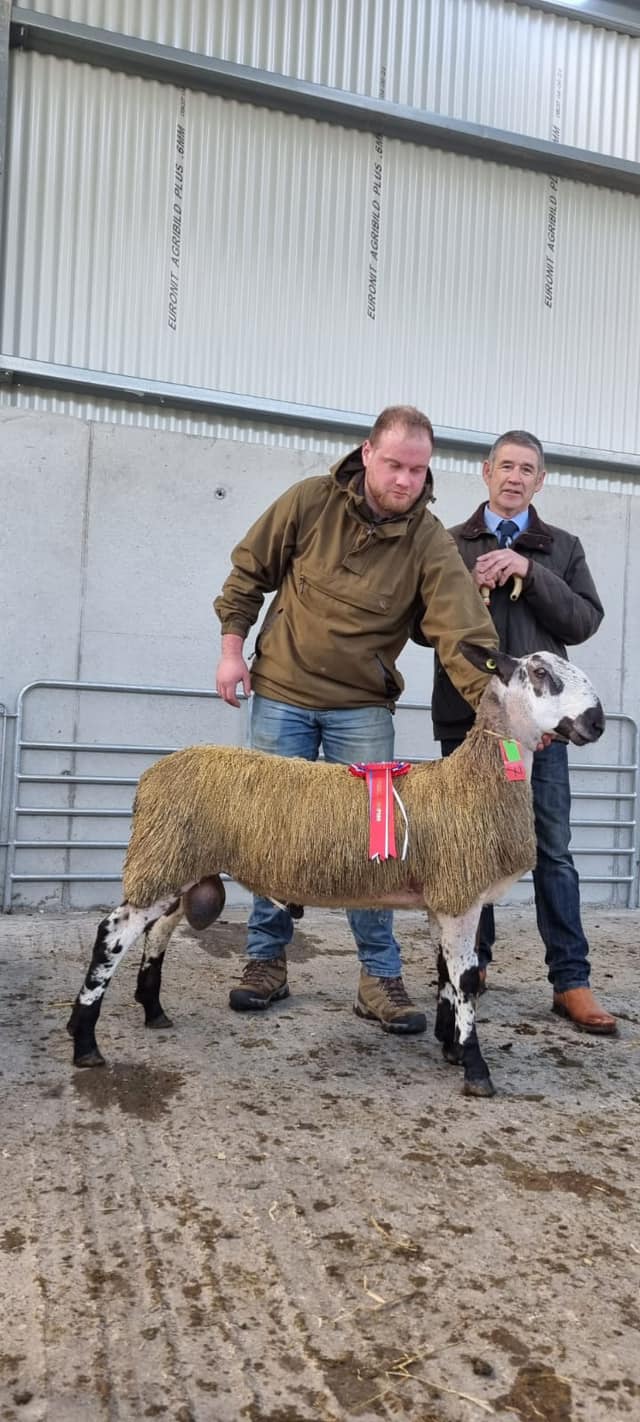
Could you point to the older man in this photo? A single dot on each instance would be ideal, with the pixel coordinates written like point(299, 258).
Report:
point(503, 539)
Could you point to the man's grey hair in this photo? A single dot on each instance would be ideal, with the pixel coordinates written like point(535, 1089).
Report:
point(530, 441)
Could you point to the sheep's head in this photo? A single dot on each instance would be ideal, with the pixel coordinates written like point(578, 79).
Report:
point(545, 695)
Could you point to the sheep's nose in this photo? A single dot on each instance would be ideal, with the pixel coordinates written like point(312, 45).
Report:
point(594, 721)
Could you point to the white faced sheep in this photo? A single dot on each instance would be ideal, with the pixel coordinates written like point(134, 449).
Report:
point(297, 831)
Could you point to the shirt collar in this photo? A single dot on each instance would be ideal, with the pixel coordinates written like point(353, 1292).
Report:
point(492, 519)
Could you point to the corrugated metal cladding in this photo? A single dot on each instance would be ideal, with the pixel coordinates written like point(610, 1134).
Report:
point(331, 447)
point(486, 61)
point(188, 238)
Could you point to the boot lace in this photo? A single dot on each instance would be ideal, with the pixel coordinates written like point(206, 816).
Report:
point(396, 991)
point(258, 972)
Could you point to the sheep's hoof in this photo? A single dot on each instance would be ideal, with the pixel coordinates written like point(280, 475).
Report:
point(452, 1053)
point(160, 1021)
point(479, 1086)
point(89, 1059)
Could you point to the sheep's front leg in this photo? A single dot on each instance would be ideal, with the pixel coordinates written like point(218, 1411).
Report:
point(457, 991)
point(115, 934)
point(156, 939)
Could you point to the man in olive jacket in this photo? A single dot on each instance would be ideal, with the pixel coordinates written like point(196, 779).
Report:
point(356, 559)
point(505, 539)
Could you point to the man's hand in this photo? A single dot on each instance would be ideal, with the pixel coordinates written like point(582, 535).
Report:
point(232, 670)
point(493, 570)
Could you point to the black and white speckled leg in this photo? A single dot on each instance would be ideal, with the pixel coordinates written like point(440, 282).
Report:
point(116, 933)
point(457, 991)
point(156, 940)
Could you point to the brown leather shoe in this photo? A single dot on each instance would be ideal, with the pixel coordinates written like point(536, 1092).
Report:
point(580, 1006)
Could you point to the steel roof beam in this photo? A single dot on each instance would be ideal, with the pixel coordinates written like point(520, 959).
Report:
point(105, 385)
point(606, 14)
point(48, 34)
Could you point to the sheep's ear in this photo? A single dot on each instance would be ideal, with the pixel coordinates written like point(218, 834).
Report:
point(487, 659)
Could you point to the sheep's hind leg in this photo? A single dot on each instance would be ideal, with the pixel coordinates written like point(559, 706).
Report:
point(115, 935)
point(200, 904)
point(458, 983)
point(156, 939)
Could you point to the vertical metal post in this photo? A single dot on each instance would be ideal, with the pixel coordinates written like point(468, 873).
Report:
point(12, 823)
point(4, 29)
point(3, 744)
point(5, 24)
point(634, 897)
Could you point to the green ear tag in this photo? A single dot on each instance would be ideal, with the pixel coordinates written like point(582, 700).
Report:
point(512, 760)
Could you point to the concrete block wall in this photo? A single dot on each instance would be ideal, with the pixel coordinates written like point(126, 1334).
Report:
point(115, 539)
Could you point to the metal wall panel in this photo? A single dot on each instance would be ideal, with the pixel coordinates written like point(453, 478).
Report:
point(273, 436)
point(486, 61)
point(540, 74)
point(336, 42)
point(280, 262)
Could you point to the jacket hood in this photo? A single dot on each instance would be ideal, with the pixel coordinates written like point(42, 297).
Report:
point(348, 474)
point(536, 535)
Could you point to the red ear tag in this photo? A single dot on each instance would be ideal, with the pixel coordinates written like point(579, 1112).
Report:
point(512, 760)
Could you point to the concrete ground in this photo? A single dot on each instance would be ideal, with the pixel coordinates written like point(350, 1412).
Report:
point(292, 1217)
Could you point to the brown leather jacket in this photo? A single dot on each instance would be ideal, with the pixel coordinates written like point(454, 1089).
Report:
point(349, 588)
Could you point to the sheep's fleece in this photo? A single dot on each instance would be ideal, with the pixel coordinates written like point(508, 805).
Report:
point(298, 831)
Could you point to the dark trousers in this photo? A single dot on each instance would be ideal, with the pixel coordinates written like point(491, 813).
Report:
point(555, 880)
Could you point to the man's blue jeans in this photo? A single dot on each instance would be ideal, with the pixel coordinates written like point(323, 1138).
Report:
point(345, 736)
point(555, 880)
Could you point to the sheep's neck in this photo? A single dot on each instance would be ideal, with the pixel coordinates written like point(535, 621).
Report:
point(493, 720)
point(526, 755)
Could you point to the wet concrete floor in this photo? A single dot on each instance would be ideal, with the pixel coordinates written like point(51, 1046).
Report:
point(293, 1217)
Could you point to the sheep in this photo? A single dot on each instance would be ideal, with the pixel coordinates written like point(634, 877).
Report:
point(297, 831)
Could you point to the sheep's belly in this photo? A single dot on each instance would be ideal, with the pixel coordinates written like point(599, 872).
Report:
point(400, 899)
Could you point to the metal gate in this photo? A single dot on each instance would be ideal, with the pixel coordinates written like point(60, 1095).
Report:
point(69, 818)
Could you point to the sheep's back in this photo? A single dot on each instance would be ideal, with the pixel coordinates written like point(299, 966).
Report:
point(271, 822)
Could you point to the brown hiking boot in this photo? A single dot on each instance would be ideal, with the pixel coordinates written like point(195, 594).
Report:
point(264, 980)
point(386, 1000)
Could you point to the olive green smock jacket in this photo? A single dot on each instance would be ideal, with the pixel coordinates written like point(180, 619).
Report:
point(350, 588)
